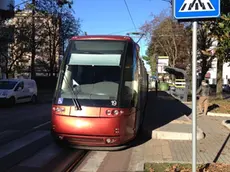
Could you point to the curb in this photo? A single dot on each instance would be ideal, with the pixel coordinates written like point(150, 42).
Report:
point(218, 114)
point(187, 103)
point(227, 125)
point(167, 135)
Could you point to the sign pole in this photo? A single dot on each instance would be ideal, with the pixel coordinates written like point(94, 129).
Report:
point(193, 10)
point(194, 106)
point(157, 75)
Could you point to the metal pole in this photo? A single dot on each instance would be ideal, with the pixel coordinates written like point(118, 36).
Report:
point(194, 107)
point(156, 82)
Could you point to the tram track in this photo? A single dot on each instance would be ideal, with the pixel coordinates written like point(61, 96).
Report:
point(76, 162)
point(39, 155)
point(26, 143)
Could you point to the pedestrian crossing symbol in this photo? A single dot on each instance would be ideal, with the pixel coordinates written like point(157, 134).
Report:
point(197, 5)
point(192, 9)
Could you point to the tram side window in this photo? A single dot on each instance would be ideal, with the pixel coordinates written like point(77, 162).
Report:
point(128, 91)
point(128, 71)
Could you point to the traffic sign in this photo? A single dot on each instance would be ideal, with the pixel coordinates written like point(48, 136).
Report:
point(196, 9)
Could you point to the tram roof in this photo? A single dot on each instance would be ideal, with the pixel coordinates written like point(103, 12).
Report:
point(103, 37)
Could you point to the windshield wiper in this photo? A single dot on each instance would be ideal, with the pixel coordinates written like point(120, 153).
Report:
point(74, 99)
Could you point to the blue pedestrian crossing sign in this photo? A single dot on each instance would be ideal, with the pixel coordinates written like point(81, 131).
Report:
point(196, 9)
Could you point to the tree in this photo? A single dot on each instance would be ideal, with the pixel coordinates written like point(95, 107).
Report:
point(20, 49)
point(205, 41)
point(6, 35)
point(169, 38)
point(60, 3)
point(169, 1)
point(61, 26)
point(209, 33)
point(58, 25)
point(221, 32)
point(151, 62)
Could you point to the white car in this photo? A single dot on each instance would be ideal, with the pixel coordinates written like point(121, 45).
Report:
point(14, 91)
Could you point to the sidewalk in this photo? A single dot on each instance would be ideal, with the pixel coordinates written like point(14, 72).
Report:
point(215, 147)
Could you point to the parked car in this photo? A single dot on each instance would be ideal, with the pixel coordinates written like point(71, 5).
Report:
point(226, 88)
point(14, 91)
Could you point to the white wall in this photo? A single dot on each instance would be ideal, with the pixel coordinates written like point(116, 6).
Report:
point(213, 72)
point(162, 62)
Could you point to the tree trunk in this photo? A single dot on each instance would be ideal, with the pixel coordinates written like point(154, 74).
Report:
point(153, 65)
point(219, 82)
point(54, 56)
point(50, 56)
point(33, 49)
point(6, 71)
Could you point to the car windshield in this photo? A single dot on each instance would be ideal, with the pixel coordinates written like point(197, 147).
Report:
point(7, 85)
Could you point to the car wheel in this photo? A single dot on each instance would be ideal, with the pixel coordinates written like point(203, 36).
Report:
point(34, 99)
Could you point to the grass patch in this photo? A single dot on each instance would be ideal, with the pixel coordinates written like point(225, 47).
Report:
point(220, 106)
point(172, 167)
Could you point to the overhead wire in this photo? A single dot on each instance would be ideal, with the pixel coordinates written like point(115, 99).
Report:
point(130, 15)
point(121, 31)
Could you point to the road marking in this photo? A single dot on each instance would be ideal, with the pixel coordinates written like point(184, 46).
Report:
point(43, 157)
point(21, 142)
point(196, 6)
point(93, 163)
point(7, 133)
point(41, 125)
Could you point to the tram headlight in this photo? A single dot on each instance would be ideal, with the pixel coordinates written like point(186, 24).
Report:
point(115, 112)
point(58, 110)
point(108, 112)
point(110, 140)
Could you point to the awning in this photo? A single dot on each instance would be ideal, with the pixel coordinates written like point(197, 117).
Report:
point(176, 71)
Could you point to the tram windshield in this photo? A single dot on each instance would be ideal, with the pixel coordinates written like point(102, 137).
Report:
point(92, 73)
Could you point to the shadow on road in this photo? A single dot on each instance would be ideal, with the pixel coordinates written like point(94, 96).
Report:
point(19, 105)
point(160, 110)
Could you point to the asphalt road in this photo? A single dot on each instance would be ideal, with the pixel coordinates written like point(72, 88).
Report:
point(24, 116)
point(26, 144)
point(25, 141)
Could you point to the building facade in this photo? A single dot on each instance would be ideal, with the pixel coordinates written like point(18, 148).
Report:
point(6, 12)
point(212, 73)
point(47, 43)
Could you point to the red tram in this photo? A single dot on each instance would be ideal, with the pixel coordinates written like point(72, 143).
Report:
point(101, 93)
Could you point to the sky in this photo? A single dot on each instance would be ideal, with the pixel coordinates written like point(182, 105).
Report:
point(112, 16)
